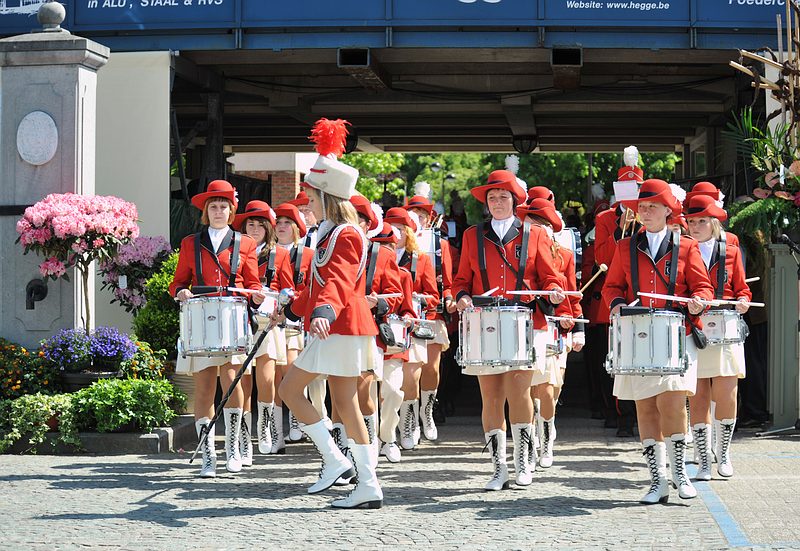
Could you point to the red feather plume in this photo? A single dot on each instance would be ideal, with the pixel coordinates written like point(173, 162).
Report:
point(329, 136)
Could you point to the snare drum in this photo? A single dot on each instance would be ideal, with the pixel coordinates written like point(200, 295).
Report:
point(555, 342)
point(647, 343)
point(400, 331)
point(496, 336)
point(214, 326)
point(724, 327)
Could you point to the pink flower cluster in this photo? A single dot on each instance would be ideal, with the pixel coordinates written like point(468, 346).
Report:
point(137, 261)
point(73, 229)
point(143, 250)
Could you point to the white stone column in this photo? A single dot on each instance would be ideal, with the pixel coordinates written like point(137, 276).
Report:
point(47, 145)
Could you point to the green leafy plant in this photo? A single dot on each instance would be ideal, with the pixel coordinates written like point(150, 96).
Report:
point(33, 416)
point(159, 317)
point(23, 372)
point(115, 404)
point(145, 364)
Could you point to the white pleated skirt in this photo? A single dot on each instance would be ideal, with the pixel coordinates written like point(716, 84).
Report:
point(641, 387)
point(552, 375)
point(294, 337)
point(418, 351)
point(338, 355)
point(194, 364)
point(726, 360)
point(273, 346)
point(440, 335)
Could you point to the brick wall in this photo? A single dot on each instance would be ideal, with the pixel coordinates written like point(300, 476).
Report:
point(285, 184)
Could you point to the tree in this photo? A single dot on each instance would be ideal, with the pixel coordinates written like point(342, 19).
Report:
point(378, 173)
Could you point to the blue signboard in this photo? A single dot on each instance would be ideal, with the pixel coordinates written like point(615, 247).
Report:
point(473, 12)
point(632, 13)
point(312, 12)
point(741, 13)
point(19, 16)
point(153, 14)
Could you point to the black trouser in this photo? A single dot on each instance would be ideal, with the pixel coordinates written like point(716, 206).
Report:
point(594, 354)
point(753, 388)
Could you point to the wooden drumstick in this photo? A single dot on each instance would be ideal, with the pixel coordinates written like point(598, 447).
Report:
point(752, 279)
point(600, 269)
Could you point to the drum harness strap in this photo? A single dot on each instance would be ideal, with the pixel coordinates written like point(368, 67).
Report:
point(371, 265)
point(722, 274)
point(673, 271)
point(237, 242)
point(270, 267)
point(437, 255)
point(298, 263)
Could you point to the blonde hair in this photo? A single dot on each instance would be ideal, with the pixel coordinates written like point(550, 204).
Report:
point(716, 228)
point(411, 240)
point(340, 211)
point(204, 217)
point(295, 230)
point(555, 247)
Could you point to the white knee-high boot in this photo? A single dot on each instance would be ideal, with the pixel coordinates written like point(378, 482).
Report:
point(523, 441)
point(264, 427)
point(339, 435)
point(537, 424)
point(724, 438)
point(676, 449)
point(233, 428)
point(208, 469)
point(392, 394)
point(548, 437)
point(702, 450)
point(367, 492)
point(429, 429)
point(496, 442)
point(245, 441)
point(334, 462)
point(276, 429)
point(655, 456)
point(407, 425)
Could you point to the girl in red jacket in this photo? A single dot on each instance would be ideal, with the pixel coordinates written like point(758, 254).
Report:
point(336, 315)
point(719, 366)
point(216, 245)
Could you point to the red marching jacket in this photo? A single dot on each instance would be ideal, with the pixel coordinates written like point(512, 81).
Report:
point(300, 277)
point(734, 286)
point(572, 305)
point(692, 278)
point(282, 274)
point(186, 274)
point(592, 301)
point(336, 290)
point(424, 279)
point(386, 280)
point(502, 264)
point(447, 277)
point(606, 234)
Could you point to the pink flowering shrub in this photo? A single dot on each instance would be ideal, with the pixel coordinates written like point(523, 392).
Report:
point(127, 272)
point(72, 230)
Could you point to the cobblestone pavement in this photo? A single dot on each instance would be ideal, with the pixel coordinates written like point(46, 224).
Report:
point(434, 499)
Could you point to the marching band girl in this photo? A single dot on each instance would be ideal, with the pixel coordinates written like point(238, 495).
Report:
point(500, 242)
point(337, 316)
point(219, 257)
point(660, 400)
point(429, 379)
point(547, 385)
point(423, 277)
point(258, 222)
point(719, 367)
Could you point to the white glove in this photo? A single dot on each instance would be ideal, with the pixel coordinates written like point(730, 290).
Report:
point(578, 340)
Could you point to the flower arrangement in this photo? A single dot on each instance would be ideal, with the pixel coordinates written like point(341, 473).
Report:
point(127, 272)
point(72, 230)
point(73, 351)
point(22, 372)
point(146, 363)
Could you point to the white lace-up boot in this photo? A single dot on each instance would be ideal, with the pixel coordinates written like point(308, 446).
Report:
point(548, 440)
point(521, 433)
point(245, 440)
point(428, 425)
point(676, 449)
point(339, 435)
point(406, 425)
point(233, 430)
point(369, 422)
point(208, 469)
point(295, 434)
point(496, 442)
point(537, 425)
point(702, 450)
point(655, 456)
point(276, 430)
point(367, 492)
point(724, 438)
point(264, 426)
point(334, 462)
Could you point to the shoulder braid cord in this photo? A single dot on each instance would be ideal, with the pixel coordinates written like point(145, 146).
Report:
point(319, 262)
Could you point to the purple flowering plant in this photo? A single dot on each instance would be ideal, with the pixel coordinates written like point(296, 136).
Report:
point(73, 351)
point(127, 272)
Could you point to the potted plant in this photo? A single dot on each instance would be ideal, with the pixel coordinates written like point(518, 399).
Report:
point(158, 319)
point(127, 272)
point(72, 230)
point(27, 421)
point(22, 372)
point(146, 363)
point(109, 347)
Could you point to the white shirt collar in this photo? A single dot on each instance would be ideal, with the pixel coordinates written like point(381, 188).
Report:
point(707, 250)
point(216, 236)
point(400, 252)
point(501, 227)
point(288, 246)
point(654, 240)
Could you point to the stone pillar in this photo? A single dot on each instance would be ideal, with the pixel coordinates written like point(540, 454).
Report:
point(47, 142)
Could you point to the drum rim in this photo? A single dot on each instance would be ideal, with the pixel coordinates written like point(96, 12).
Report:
point(242, 300)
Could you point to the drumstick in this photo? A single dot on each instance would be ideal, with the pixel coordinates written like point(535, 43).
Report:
point(389, 295)
point(735, 302)
point(419, 295)
point(601, 268)
point(489, 293)
point(250, 291)
point(714, 302)
point(546, 293)
point(752, 279)
point(567, 318)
